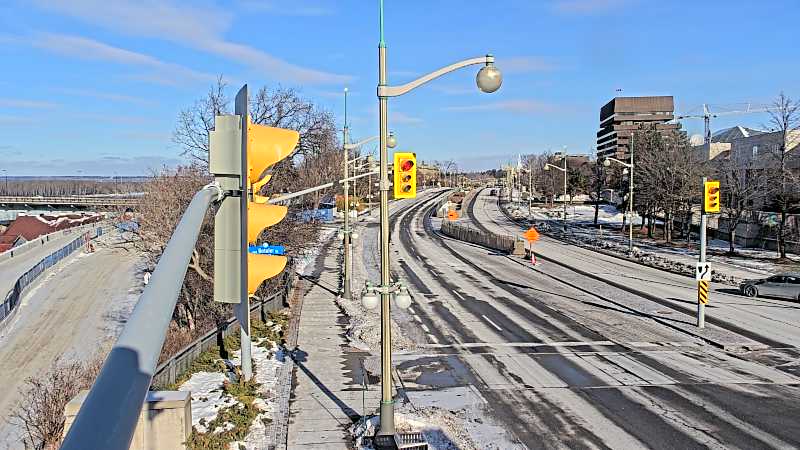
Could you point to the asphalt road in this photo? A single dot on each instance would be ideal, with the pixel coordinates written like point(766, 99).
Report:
point(74, 311)
point(560, 359)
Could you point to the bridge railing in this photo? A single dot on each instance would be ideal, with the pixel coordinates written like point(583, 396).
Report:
point(108, 417)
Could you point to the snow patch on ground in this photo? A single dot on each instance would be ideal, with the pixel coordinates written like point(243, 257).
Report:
point(306, 260)
point(207, 397)
point(266, 363)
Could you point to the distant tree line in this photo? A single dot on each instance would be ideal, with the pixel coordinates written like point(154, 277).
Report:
point(66, 187)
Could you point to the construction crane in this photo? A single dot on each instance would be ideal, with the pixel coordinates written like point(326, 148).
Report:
point(707, 115)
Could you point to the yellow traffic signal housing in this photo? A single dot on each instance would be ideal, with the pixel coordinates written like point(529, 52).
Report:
point(711, 197)
point(266, 146)
point(405, 175)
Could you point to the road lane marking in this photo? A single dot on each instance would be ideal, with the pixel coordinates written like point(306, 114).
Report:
point(525, 344)
point(459, 296)
point(492, 323)
point(433, 339)
point(425, 328)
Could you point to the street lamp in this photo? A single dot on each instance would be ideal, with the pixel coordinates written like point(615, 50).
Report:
point(488, 80)
point(628, 167)
point(348, 234)
point(547, 167)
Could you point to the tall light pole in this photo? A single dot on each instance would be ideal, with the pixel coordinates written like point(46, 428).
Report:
point(489, 80)
point(547, 166)
point(5, 173)
point(347, 232)
point(629, 170)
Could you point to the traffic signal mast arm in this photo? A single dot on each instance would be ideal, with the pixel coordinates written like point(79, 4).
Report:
point(285, 197)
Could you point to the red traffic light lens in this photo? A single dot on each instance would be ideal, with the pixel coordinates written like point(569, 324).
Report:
point(406, 165)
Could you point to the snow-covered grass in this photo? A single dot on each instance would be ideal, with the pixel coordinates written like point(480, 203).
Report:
point(228, 412)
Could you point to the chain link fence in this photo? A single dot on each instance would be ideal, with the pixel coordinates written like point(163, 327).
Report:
point(12, 299)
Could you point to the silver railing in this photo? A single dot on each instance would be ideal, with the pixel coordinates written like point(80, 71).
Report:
point(108, 417)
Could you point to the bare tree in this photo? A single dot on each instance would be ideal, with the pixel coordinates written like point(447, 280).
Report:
point(785, 185)
point(40, 414)
point(668, 176)
point(195, 122)
point(742, 187)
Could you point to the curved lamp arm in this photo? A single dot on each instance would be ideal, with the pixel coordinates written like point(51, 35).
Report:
point(628, 165)
point(360, 143)
point(394, 91)
point(555, 167)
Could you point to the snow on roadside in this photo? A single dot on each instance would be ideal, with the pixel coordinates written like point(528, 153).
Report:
point(308, 257)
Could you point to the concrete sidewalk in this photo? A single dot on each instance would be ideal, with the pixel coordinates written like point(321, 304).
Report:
point(327, 393)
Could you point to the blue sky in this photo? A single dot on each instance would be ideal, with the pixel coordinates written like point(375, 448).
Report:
point(96, 85)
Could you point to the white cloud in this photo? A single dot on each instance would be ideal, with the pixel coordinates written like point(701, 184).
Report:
point(89, 49)
point(514, 106)
point(26, 104)
point(586, 6)
point(106, 96)
point(289, 8)
point(195, 27)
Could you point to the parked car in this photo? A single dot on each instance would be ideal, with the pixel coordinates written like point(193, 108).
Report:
point(785, 285)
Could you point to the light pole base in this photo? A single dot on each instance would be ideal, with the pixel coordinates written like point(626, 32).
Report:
point(387, 420)
point(346, 292)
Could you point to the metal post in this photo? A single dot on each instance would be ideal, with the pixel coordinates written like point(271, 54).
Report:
point(530, 191)
point(565, 191)
point(630, 202)
point(701, 308)
point(346, 282)
point(387, 401)
point(242, 309)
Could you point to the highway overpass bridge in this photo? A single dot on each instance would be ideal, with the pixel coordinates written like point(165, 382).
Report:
point(67, 202)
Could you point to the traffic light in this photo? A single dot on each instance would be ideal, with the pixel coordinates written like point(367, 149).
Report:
point(405, 175)
point(711, 201)
point(266, 146)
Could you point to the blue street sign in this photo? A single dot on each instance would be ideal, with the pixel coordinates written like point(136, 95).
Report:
point(267, 249)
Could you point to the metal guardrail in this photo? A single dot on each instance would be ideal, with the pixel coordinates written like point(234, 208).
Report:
point(69, 200)
point(108, 417)
point(11, 300)
point(168, 371)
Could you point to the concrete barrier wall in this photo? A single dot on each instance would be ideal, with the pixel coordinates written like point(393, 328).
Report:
point(466, 233)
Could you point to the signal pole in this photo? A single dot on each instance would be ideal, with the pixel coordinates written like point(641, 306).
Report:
point(242, 308)
point(701, 307)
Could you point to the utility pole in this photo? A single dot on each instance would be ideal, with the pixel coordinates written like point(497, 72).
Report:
point(630, 200)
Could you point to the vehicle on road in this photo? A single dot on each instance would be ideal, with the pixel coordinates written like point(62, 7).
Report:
point(784, 285)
